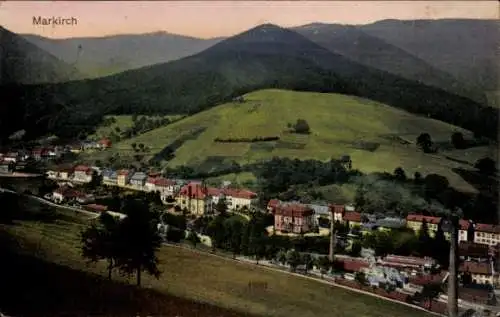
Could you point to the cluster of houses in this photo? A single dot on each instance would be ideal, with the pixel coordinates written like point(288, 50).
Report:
point(302, 218)
point(17, 159)
point(191, 196)
point(479, 243)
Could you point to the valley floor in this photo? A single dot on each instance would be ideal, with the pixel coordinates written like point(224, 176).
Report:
point(191, 275)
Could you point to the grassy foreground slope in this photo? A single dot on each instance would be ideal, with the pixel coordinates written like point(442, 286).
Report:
point(191, 275)
point(339, 124)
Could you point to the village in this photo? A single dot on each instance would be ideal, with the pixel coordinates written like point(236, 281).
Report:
point(400, 277)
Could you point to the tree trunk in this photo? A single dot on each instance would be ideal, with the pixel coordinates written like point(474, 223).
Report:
point(110, 268)
point(139, 275)
point(452, 277)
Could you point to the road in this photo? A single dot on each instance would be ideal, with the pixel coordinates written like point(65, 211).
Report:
point(49, 203)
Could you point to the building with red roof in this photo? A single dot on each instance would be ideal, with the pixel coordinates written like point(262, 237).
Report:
point(236, 199)
point(193, 197)
point(105, 143)
point(293, 218)
point(487, 234)
point(123, 177)
point(414, 222)
point(82, 174)
point(481, 272)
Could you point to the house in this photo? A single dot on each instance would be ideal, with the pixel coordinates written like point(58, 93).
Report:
point(150, 185)
point(273, 203)
point(465, 227)
point(474, 251)
point(138, 180)
point(352, 218)
point(82, 174)
point(338, 212)
point(237, 199)
point(168, 188)
point(415, 221)
point(194, 198)
point(38, 153)
point(7, 167)
point(294, 218)
point(481, 272)
point(104, 143)
point(353, 265)
point(63, 194)
point(52, 174)
point(76, 148)
point(64, 172)
point(320, 211)
point(407, 262)
point(123, 177)
point(12, 157)
point(109, 177)
point(487, 234)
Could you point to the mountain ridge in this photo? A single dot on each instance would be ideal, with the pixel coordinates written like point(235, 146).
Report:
point(238, 65)
point(25, 63)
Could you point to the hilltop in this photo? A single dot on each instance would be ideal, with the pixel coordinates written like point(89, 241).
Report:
point(464, 48)
point(266, 56)
point(369, 50)
point(25, 63)
point(376, 136)
point(102, 56)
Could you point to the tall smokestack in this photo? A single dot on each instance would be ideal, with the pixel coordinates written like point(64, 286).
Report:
point(333, 239)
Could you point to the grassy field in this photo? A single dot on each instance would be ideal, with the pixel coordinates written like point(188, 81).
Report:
point(123, 122)
point(339, 124)
point(198, 276)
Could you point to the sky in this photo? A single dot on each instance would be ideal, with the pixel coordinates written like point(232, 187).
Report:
point(221, 18)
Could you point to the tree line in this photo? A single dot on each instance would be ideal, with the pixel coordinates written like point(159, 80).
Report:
point(247, 140)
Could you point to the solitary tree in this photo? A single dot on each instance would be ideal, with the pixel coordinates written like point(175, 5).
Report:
point(308, 262)
point(486, 166)
point(301, 126)
point(431, 292)
point(236, 229)
point(193, 238)
point(281, 257)
point(139, 240)
point(293, 259)
point(100, 241)
point(324, 265)
point(399, 174)
point(424, 141)
point(458, 141)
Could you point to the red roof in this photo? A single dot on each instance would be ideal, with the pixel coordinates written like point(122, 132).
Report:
point(463, 224)
point(352, 216)
point(239, 193)
point(123, 172)
point(82, 168)
point(475, 267)
point(212, 191)
point(69, 192)
point(427, 279)
point(151, 180)
point(410, 260)
point(466, 248)
point(337, 208)
point(293, 210)
point(483, 227)
point(421, 218)
point(163, 182)
point(194, 189)
point(273, 203)
point(96, 207)
point(354, 265)
point(105, 142)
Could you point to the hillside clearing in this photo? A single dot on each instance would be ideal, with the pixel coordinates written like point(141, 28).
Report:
point(376, 136)
point(122, 122)
point(214, 280)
